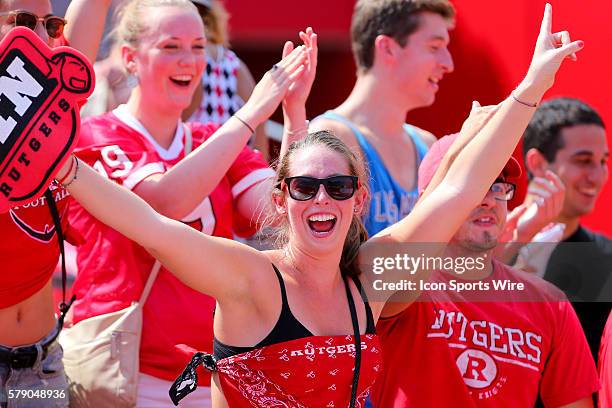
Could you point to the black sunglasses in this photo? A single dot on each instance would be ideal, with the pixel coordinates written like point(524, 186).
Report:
point(503, 190)
point(303, 188)
point(53, 24)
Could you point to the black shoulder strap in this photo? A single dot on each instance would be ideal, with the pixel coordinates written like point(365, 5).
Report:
point(63, 307)
point(355, 322)
point(281, 282)
point(370, 326)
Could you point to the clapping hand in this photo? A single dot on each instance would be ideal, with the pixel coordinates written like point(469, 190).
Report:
point(300, 89)
point(273, 86)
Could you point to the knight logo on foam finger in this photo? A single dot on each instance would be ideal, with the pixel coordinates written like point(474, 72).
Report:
point(40, 92)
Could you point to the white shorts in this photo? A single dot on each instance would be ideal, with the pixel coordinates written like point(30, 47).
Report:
point(153, 393)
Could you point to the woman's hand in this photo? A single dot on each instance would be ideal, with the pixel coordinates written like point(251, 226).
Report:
point(300, 89)
point(273, 86)
point(550, 51)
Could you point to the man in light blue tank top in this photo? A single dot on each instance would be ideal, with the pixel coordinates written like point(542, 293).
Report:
point(401, 53)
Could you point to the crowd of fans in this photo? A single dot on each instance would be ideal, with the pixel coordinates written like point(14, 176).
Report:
point(172, 167)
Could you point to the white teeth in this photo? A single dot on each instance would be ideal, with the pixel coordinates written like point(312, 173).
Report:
point(485, 219)
point(182, 77)
point(321, 217)
point(434, 80)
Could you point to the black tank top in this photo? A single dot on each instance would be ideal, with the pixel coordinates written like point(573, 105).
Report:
point(287, 327)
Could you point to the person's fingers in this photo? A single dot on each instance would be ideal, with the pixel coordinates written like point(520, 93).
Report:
point(545, 184)
point(291, 57)
point(296, 74)
point(516, 213)
point(571, 48)
point(540, 192)
point(305, 38)
point(546, 27)
point(296, 62)
point(563, 38)
point(553, 178)
point(287, 48)
point(560, 193)
point(313, 52)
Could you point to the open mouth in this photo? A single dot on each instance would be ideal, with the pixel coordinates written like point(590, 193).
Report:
point(588, 192)
point(485, 221)
point(182, 80)
point(321, 224)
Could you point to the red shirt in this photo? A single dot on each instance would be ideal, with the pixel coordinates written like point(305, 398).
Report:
point(605, 366)
point(458, 353)
point(113, 269)
point(28, 247)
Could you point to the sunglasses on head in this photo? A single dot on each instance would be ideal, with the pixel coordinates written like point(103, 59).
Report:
point(303, 188)
point(502, 190)
point(53, 24)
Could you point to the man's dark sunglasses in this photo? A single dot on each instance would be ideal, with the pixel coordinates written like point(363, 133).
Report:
point(304, 188)
point(53, 24)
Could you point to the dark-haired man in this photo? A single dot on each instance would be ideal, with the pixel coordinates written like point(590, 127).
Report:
point(568, 137)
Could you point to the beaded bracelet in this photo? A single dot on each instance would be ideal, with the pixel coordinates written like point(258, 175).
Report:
point(76, 172)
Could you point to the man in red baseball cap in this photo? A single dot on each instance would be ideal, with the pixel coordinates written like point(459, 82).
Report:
point(509, 348)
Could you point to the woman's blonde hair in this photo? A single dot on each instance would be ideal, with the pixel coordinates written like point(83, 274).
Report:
point(357, 233)
point(132, 18)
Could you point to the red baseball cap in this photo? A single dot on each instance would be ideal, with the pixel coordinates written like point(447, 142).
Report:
point(434, 156)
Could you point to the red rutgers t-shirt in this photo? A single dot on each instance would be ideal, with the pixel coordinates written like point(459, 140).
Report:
point(605, 366)
point(28, 247)
point(113, 269)
point(438, 353)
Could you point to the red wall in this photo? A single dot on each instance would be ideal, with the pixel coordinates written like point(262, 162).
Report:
point(491, 45)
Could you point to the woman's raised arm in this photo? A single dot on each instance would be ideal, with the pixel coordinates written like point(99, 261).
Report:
point(211, 265)
point(85, 25)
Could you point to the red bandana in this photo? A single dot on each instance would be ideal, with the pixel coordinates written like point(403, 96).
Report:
point(309, 372)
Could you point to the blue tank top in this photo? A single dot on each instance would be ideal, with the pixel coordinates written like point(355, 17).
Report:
point(390, 202)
